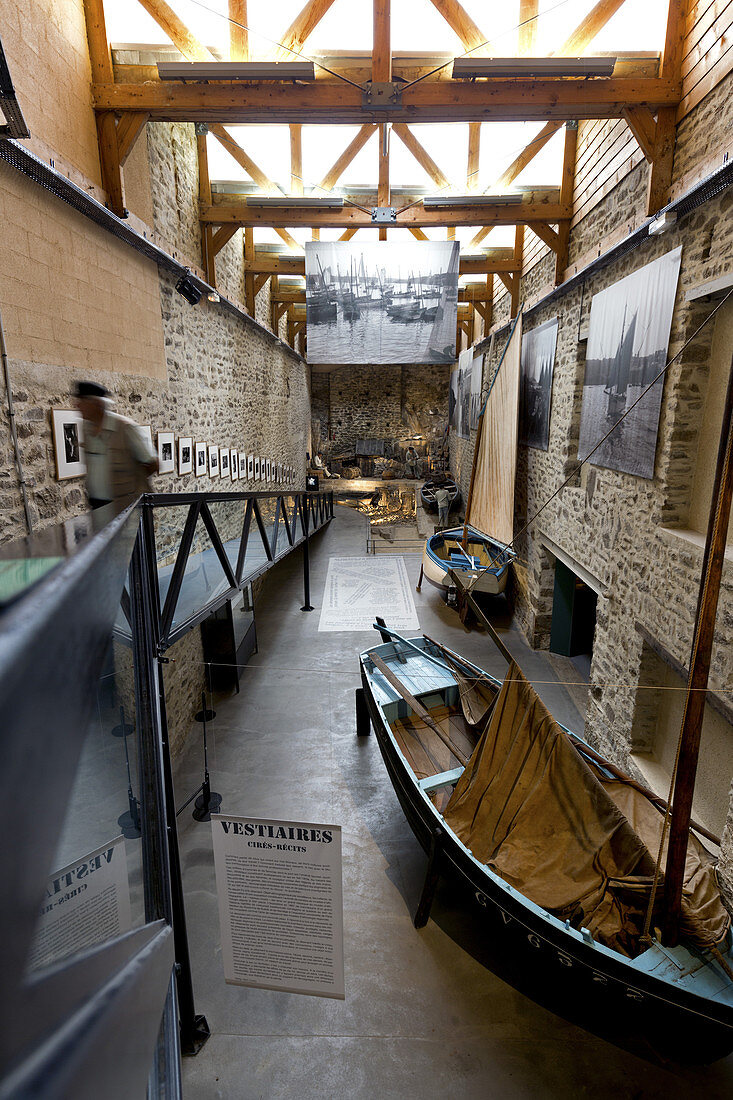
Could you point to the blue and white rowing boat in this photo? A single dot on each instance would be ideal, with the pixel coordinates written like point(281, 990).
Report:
point(482, 563)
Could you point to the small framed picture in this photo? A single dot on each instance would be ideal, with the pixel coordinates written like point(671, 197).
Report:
point(250, 466)
point(256, 474)
point(224, 462)
point(269, 469)
point(68, 443)
point(234, 465)
point(166, 462)
point(213, 460)
point(185, 454)
point(200, 455)
point(263, 468)
point(147, 432)
point(243, 465)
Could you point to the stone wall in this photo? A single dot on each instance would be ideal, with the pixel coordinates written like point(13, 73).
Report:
point(628, 533)
point(380, 402)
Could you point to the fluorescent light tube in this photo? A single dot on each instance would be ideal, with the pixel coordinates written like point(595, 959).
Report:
point(466, 68)
point(296, 201)
point(236, 70)
point(470, 200)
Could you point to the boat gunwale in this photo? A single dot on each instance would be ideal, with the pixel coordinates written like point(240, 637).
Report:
point(514, 905)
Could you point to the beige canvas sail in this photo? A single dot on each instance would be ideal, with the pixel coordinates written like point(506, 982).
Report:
point(492, 502)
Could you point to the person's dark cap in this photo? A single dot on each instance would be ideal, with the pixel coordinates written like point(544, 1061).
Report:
point(89, 389)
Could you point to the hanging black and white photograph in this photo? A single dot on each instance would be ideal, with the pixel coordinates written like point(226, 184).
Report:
point(535, 385)
point(166, 461)
point(234, 464)
point(381, 302)
point(243, 466)
point(200, 452)
point(477, 379)
point(630, 324)
point(459, 401)
point(185, 454)
point(213, 460)
point(224, 462)
point(67, 443)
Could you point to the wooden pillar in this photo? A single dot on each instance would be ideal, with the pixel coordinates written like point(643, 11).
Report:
point(274, 312)
point(527, 27)
point(207, 252)
point(566, 198)
point(238, 33)
point(110, 163)
point(474, 148)
point(382, 72)
point(249, 279)
point(518, 258)
point(296, 159)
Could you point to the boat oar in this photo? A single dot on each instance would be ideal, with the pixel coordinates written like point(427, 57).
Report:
point(417, 707)
point(482, 618)
point(385, 630)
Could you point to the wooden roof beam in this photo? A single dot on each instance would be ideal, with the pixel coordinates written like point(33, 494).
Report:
point(296, 159)
point(243, 160)
point(355, 146)
point(588, 28)
point(418, 216)
point(527, 27)
point(420, 153)
point(460, 22)
point(238, 33)
point(179, 34)
point(474, 150)
point(302, 28)
point(508, 99)
point(267, 263)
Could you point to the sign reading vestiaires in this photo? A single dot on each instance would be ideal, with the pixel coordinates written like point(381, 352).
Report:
point(280, 904)
point(86, 902)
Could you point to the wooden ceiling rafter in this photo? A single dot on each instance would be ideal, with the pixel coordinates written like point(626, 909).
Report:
point(238, 32)
point(382, 73)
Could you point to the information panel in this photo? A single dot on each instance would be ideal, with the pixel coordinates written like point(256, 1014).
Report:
point(280, 904)
point(87, 902)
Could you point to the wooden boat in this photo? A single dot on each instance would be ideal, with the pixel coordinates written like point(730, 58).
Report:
point(481, 563)
point(427, 494)
point(479, 553)
point(537, 826)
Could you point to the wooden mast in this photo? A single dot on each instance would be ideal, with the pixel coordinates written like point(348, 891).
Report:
point(689, 745)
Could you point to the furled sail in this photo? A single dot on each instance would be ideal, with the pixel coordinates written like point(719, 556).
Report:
point(491, 508)
point(530, 807)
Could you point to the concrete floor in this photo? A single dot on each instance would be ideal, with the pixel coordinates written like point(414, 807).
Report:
point(422, 1016)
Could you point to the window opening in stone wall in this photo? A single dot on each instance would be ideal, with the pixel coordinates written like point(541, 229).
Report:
point(655, 732)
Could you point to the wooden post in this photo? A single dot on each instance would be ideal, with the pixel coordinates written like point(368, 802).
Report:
point(110, 163)
point(296, 159)
point(566, 198)
point(249, 279)
point(382, 72)
point(274, 311)
point(207, 231)
point(527, 26)
point(518, 258)
point(474, 148)
point(99, 52)
point(238, 33)
point(694, 709)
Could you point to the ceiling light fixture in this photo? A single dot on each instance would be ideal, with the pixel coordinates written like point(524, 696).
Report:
point(236, 70)
point(471, 200)
point(469, 68)
point(296, 201)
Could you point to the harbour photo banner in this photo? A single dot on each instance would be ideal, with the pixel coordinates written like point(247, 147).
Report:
point(381, 302)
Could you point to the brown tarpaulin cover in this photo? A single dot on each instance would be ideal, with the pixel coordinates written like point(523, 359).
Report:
point(529, 807)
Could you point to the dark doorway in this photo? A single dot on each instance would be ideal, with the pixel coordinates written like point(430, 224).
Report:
point(573, 614)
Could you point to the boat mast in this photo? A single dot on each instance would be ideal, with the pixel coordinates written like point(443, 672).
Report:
point(689, 743)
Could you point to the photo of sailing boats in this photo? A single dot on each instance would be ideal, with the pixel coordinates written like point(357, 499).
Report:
point(381, 302)
point(627, 346)
point(459, 398)
point(535, 392)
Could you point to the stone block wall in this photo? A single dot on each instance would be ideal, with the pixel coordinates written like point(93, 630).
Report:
point(380, 402)
point(629, 533)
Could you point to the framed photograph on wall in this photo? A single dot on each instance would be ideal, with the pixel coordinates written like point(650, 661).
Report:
point(213, 460)
point(68, 443)
point(269, 469)
point(185, 454)
point(147, 432)
point(200, 457)
point(224, 470)
point(243, 465)
point(166, 461)
point(250, 466)
point(256, 474)
point(234, 465)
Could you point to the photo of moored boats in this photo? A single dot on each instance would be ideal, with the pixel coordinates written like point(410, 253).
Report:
point(381, 303)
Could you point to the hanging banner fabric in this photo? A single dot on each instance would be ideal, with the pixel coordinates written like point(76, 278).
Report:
point(280, 904)
point(492, 505)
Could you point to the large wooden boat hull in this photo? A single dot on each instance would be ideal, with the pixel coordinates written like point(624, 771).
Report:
point(655, 994)
point(491, 580)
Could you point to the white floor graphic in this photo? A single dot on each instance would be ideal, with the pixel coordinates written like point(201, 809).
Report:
point(357, 589)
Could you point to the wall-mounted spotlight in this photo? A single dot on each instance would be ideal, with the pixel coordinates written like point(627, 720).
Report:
point(187, 288)
point(213, 296)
